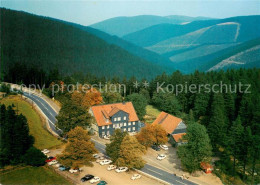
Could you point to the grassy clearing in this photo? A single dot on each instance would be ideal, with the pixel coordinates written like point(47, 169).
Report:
point(43, 139)
point(33, 175)
point(151, 113)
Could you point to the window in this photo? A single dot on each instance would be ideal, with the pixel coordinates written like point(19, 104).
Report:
point(124, 117)
point(129, 123)
point(103, 127)
point(129, 129)
point(133, 128)
point(124, 129)
point(124, 124)
point(108, 133)
point(113, 125)
point(108, 127)
point(133, 123)
point(114, 119)
point(121, 124)
point(107, 120)
point(103, 133)
point(119, 119)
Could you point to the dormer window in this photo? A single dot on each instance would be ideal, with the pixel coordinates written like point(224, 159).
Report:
point(115, 119)
point(124, 117)
point(107, 120)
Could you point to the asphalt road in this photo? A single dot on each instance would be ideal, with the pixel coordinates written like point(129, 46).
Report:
point(46, 109)
point(151, 170)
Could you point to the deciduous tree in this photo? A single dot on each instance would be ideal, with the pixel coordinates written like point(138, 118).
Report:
point(131, 152)
point(79, 149)
point(113, 148)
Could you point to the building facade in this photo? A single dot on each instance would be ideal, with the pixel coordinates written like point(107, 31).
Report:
point(114, 116)
point(174, 126)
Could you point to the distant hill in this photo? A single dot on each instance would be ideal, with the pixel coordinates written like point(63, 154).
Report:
point(49, 44)
point(121, 26)
point(131, 48)
point(249, 29)
point(245, 55)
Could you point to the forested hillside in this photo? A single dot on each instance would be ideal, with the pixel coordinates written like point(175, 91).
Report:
point(47, 44)
point(121, 26)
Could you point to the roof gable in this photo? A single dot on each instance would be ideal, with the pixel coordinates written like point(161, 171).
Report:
point(101, 112)
point(168, 122)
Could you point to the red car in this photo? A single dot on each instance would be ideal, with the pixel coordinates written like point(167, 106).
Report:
point(49, 159)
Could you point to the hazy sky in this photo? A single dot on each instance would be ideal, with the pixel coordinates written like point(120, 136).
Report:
point(87, 12)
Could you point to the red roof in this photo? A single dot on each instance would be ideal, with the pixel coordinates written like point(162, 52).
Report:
point(177, 137)
point(168, 122)
point(103, 112)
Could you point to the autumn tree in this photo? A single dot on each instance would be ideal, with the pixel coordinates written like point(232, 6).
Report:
point(79, 149)
point(197, 149)
point(113, 148)
point(151, 134)
point(86, 98)
point(131, 152)
point(159, 134)
point(72, 115)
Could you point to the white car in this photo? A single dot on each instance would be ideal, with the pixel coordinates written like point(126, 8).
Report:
point(106, 161)
point(52, 162)
point(111, 167)
point(121, 169)
point(95, 179)
point(45, 151)
point(100, 159)
point(73, 170)
point(58, 165)
point(136, 176)
point(106, 137)
point(164, 147)
point(161, 156)
point(95, 156)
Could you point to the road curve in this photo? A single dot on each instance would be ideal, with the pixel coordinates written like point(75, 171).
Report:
point(148, 169)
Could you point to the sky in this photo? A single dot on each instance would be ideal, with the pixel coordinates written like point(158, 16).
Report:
point(87, 12)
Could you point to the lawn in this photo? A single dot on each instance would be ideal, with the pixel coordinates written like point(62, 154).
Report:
point(151, 113)
point(43, 139)
point(33, 175)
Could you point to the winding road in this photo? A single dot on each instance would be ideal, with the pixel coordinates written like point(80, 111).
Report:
point(50, 114)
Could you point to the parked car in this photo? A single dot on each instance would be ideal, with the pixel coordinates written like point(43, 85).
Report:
point(86, 178)
point(136, 176)
point(106, 137)
point(100, 159)
point(96, 156)
point(49, 159)
point(161, 156)
point(155, 147)
point(111, 167)
point(106, 161)
point(45, 151)
point(121, 169)
point(75, 170)
point(63, 168)
point(102, 183)
point(52, 162)
point(57, 165)
point(164, 147)
point(95, 179)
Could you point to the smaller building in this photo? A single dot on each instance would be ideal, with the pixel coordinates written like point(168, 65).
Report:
point(109, 117)
point(174, 126)
point(206, 167)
